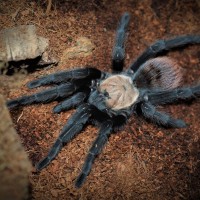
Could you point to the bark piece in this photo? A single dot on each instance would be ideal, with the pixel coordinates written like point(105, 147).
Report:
point(14, 164)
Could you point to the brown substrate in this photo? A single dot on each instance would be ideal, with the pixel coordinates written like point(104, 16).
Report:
point(143, 161)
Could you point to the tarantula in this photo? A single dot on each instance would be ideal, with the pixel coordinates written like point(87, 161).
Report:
point(109, 99)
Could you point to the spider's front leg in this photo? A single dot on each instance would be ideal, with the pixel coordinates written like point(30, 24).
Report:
point(49, 95)
point(96, 148)
point(64, 76)
point(73, 127)
point(150, 112)
point(72, 101)
point(163, 45)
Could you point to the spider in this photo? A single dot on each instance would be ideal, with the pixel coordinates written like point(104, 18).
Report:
point(109, 99)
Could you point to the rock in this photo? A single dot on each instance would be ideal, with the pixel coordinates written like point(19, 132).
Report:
point(83, 48)
point(22, 43)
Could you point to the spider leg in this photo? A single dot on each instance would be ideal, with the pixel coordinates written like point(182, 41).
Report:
point(150, 112)
point(96, 148)
point(163, 45)
point(73, 127)
point(118, 53)
point(72, 101)
point(169, 96)
point(64, 76)
point(49, 95)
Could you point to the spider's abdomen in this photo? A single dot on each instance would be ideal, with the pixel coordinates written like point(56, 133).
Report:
point(161, 72)
point(119, 92)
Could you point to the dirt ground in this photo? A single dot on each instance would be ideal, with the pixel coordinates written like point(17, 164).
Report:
point(142, 161)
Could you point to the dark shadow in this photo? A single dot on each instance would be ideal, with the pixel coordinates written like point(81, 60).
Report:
point(29, 65)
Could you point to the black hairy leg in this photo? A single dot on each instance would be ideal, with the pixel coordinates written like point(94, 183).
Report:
point(159, 97)
point(49, 95)
point(150, 112)
point(64, 76)
point(163, 45)
point(118, 54)
point(72, 101)
point(74, 126)
point(104, 133)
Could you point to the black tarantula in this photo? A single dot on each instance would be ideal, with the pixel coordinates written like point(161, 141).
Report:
point(109, 99)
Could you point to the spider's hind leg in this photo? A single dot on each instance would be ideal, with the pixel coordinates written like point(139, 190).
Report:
point(163, 45)
point(150, 112)
point(73, 127)
point(174, 95)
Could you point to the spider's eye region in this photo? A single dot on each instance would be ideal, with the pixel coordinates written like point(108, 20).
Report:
point(120, 92)
point(106, 94)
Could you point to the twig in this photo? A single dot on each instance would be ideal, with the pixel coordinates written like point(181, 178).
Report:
point(20, 116)
point(14, 15)
point(48, 7)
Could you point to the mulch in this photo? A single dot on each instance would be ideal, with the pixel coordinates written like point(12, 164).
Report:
point(142, 161)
